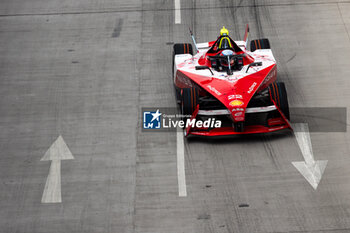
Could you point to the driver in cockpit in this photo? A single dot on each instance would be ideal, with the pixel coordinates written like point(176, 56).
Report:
point(225, 51)
point(225, 45)
point(224, 42)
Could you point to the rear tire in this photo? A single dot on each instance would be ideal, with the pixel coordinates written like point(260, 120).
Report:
point(259, 44)
point(183, 49)
point(189, 100)
point(279, 94)
point(180, 49)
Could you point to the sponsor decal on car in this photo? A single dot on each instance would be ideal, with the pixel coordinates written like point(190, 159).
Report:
point(213, 89)
point(236, 103)
point(231, 97)
point(239, 118)
point(239, 114)
point(272, 74)
point(237, 109)
point(251, 88)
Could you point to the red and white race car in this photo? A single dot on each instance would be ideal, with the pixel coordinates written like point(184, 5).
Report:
point(225, 81)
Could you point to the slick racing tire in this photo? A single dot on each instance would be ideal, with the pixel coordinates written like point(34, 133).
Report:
point(189, 100)
point(279, 94)
point(181, 49)
point(259, 44)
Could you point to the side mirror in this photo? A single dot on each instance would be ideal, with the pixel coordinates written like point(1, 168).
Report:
point(254, 64)
point(201, 67)
point(204, 68)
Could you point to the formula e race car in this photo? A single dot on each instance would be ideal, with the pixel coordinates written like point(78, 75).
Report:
point(225, 81)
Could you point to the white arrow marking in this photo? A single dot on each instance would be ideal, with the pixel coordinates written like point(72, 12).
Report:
point(57, 152)
point(312, 170)
point(180, 154)
point(177, 12)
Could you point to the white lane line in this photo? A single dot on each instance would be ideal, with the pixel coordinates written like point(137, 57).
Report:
point(180, 153)
point(311, 170)
point(58, 151)
point(177, 11)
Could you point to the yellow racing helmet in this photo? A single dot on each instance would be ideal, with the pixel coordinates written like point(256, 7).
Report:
point(224, 31)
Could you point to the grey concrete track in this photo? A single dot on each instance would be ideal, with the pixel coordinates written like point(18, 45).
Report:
point(84, 69)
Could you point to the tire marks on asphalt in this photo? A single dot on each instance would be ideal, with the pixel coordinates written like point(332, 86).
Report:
point(117, 28)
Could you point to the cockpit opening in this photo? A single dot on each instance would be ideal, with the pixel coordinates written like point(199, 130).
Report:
point(227, 61)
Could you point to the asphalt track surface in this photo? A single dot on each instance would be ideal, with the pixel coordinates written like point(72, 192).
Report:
point(84, 69)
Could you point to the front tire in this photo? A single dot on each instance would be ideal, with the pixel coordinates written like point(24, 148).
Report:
point(278, 93)
point(189, 100)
